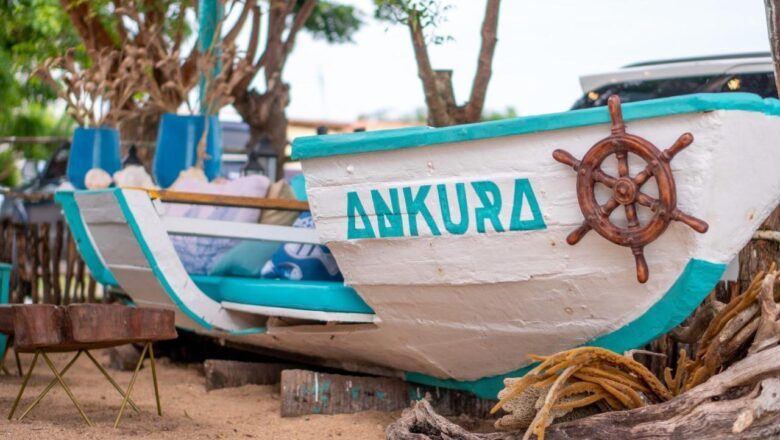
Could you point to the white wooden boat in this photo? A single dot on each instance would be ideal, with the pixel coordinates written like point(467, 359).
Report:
point(454, 242)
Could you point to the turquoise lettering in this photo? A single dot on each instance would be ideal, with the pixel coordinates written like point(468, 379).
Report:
point(523, 190)
point(355, 207)
point(449, 225)
point(389, 220)
point(490, 197)
point(415, 205)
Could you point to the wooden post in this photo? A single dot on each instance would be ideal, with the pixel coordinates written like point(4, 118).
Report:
point(56, 260)
point(21, 263)
point(35, 262)
point(70, 256)
point(80, 296)
point(46, 263)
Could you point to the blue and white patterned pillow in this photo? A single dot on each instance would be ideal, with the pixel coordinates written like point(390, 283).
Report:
point(298, 261)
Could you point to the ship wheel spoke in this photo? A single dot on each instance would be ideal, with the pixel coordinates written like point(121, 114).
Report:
point(633, 220)
point(576, 235)
point(600, 176)
point(696, 224)
point(645, 200)
point(642, 271)
point(607, 208)
point(565, 157)
point(680, 144)
point(622, 158)
point(642, 177)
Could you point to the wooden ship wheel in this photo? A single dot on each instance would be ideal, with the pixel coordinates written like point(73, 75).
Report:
point(627, 189)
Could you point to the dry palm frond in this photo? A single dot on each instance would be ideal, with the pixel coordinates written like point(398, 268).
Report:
point(751, 314)
point(580, 378)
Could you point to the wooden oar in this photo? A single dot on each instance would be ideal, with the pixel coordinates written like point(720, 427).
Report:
point(225, 200)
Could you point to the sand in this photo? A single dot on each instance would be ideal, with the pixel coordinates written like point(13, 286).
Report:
point(189, 411)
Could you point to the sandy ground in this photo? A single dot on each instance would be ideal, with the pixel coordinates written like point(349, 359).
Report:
point(189, 412)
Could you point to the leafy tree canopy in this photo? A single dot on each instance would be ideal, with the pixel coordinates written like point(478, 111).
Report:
point(333, 22)
point(32, 31)
point(428, 14)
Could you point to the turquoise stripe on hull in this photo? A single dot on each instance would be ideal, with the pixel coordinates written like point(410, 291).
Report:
point(383, 140)
point(84, 244)
point(690, 289)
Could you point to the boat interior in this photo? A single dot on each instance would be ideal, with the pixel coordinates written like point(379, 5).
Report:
point(125, 239)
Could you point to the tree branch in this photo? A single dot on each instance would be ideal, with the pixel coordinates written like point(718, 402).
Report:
point(230, 37)
point(437, 108)
point(254, 35)
point(479, 87)
point(301, 17)
point(90, 29)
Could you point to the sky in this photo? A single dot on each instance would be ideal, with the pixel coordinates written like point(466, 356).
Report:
point(543, 48)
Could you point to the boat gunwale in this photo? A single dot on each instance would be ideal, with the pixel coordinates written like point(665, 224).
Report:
point(311, 147)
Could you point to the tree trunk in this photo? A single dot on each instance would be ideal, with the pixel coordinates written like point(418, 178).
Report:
point(437, 84)
point(142, 132)
point(758, 255)
point(265, 113)
point(773, 26)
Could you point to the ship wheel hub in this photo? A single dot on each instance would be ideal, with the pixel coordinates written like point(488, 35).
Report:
point(625, 191)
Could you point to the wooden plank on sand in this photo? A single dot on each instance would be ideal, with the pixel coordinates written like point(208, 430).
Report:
point(229, 374)
point(308, 392)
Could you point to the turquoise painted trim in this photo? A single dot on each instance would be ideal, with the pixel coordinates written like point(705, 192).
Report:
point(299, 295)
point(364, 142)
point(690, 289)
point(84, 245)
point(161, 277)
point(5, 287)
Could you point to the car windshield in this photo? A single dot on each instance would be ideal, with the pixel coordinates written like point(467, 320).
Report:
point(762, 84)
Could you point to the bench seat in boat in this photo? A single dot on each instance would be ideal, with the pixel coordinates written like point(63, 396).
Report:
point(323, 296)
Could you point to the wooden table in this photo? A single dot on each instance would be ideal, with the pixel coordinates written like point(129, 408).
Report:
point(79, 328)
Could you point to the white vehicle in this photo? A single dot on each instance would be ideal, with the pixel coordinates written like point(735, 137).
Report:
point(749, 73)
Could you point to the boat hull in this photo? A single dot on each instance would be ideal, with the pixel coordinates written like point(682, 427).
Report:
point(475, 301)
point(464, 287)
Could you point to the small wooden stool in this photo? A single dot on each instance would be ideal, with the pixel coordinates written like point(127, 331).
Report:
point(43, 329)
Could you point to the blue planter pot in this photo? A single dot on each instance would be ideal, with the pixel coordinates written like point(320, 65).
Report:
point(93, 148)
point(177, 147)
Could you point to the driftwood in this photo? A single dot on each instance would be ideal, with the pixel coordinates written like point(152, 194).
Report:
point(742, 402)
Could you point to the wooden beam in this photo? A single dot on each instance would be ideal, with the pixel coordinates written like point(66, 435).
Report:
point(225, 200)
point(231, 374)
point(242, 231)
point(286, 312)
point(308, 392)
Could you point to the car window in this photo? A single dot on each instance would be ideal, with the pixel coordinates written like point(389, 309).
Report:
point(632, 91)
point(762, 84)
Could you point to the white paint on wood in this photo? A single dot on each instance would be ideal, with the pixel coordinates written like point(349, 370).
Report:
point(242, 231)
point(314, 315)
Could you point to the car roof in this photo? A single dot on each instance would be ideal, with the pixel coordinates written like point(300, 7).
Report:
point(757, 62)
